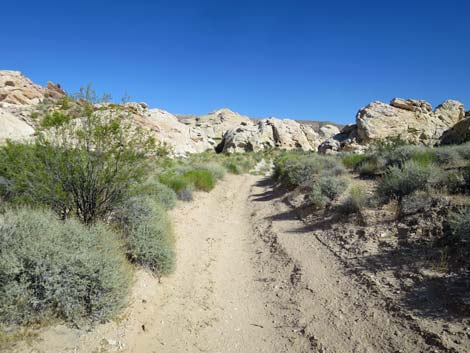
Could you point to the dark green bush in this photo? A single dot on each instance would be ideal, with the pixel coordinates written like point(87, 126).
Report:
point(402, 181)
point(79, 166)
point(149, 234)
point(62, 269)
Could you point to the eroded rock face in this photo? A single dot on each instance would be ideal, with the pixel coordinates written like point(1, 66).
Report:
point(410, 119)
point(273, 133)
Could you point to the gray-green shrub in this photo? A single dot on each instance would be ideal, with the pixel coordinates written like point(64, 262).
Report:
point(149, 234)
point(326, 189)
point(355, 202)
point(62, 269)
point(460, 225)
point(161, 193)
point(402, 181)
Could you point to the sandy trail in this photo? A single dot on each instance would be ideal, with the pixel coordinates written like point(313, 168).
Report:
point(250, 278)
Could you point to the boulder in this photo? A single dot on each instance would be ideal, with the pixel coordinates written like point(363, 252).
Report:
point(412, 120)
point(13, 128)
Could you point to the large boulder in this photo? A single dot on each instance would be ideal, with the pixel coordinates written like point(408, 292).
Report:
point(412, 120)
point(13, 128)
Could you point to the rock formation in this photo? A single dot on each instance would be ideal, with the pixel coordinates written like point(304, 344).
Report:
point(411, 120)
point(227, 131)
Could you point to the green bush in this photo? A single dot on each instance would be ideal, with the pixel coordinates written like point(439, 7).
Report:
point(82, 166)
point(355, 202)
point(352, 160)
point(177, 182)
point(62, 269)
point(201, 179)
point(149, 234)
point(159, 192)
point(295, 169)
point(217, 170)
point(326, 189)
point(402, 181)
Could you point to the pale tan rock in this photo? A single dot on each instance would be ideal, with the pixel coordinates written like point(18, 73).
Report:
point(13, 128)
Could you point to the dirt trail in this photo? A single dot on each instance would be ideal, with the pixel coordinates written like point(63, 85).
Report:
point(250, 278)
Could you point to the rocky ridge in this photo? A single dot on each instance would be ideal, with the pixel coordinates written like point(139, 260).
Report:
point(227, 131)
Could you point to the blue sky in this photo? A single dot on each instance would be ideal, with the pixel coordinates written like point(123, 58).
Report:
point(318, 60)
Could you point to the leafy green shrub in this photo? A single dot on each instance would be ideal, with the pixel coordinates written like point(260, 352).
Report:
point(173, 180)
point(159, 192)
point(326, 189)
point(55, 119)
point(355, 202)
point(201, 179)
point(399, 182)
point(62, 269)
point(149, 234)
point(83, 166)
point(353, 160)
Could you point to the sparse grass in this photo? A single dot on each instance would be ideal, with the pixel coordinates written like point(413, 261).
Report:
point(352, 160)
point(201, 179)
point(355, 202)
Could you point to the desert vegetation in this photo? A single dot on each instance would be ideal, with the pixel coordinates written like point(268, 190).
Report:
point(419, 191)
point(82, 202)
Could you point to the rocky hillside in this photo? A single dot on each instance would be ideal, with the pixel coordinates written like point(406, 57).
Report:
point(227, 131)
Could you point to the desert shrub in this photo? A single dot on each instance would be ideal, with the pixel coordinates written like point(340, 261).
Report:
point(173, 180)
point(159, 192)
point(61, 269)
point(416, 202)
point(402, 181)
point(401, 154)
point(83, 166)
point(371, 166)
point(355, 202)
point(460, 226)
point(186, 193)
point(217, 170)
point(352, 160)
point(447, 155)
point(463, 151)
point(149, 234)
point(326, 189)
point(200, 178)
point(293, 169)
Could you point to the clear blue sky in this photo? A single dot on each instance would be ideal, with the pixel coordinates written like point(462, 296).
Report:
point(298, 59)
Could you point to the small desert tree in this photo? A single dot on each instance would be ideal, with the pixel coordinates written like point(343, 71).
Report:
point(83, 165)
